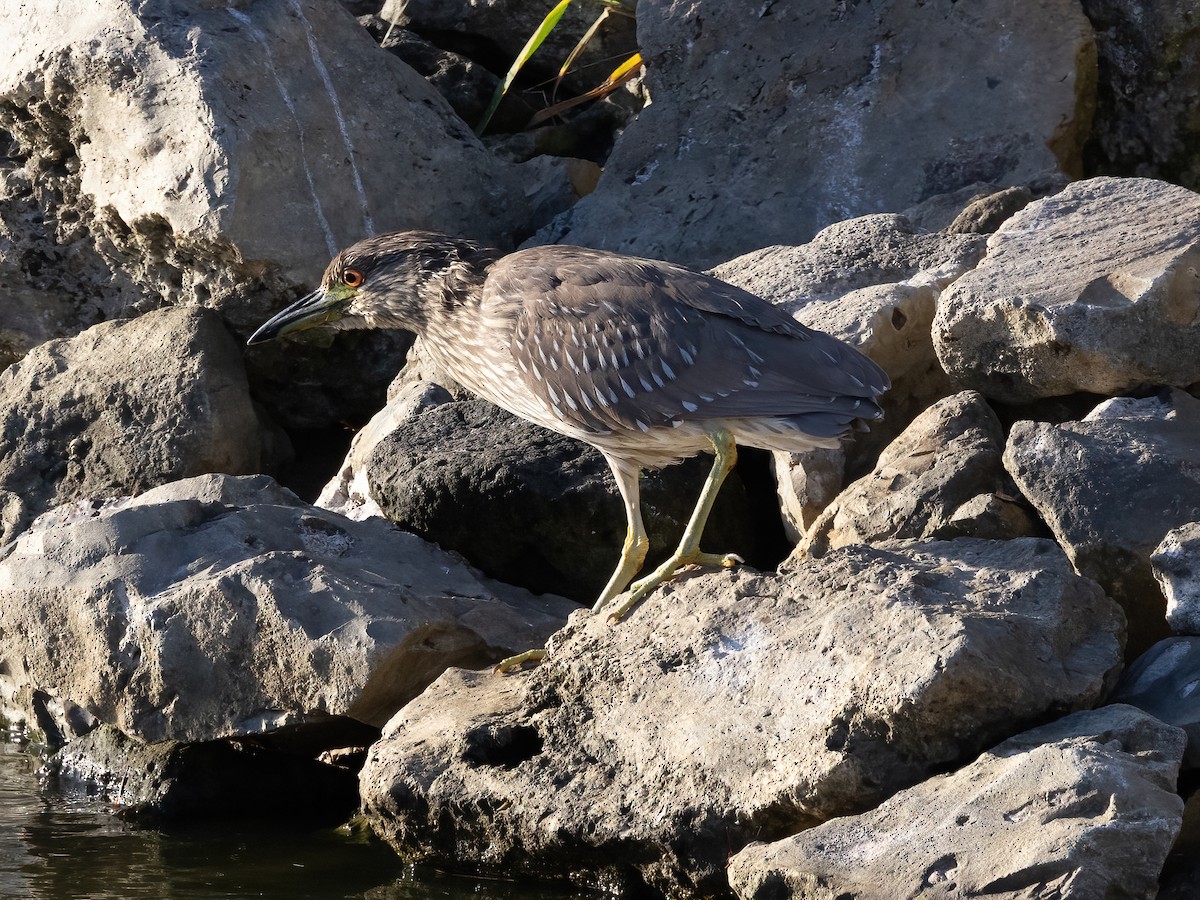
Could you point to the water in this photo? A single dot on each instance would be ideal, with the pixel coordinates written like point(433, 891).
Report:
point(54, 846)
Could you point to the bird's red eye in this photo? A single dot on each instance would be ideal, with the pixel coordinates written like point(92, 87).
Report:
point(352, 278)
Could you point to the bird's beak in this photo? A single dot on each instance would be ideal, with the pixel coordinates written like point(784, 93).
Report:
point(318, 308)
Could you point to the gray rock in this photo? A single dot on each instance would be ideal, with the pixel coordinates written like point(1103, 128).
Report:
point(731, 707)
point(770, 122)
point(123, 407)
point(535, 508)
point(1163, 682)
point(1149, 76)
point(1176, 566)
point(942, 478)
point(220, 606)
point(873, 282)
point(224, 95)
point(1082, 808)
point(985, 215)
point(1110, 488)
point(1094, 289)
point(848, 256)
point(230, 778)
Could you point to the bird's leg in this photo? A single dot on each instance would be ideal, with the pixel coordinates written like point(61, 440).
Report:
point(633, 551)
point(688, 551)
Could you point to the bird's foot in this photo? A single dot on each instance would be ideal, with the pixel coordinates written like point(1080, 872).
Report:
point(643, 586)
point(512, 663)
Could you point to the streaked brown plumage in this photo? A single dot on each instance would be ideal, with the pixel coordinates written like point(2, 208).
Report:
point(647, 361)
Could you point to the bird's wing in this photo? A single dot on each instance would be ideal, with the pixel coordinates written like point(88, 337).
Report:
point(617, 342)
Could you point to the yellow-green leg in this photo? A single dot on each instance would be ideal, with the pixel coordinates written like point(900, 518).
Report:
point(688, 551)
point(633, 553)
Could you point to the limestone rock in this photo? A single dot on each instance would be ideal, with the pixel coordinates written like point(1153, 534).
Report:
point(1082, 808)
point(123, 407)
point(820, 115)
point(730, 707)
point(216, 98)
point(1110, 488)
point(939, 479)
point(1094, 289)
point(535, 508)
point(1163, 681)
point(1176, 566)
point(220, 606)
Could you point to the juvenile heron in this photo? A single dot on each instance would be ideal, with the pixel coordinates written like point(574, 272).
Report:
point(648, 362)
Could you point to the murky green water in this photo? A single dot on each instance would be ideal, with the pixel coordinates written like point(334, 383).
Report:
point(58, 847)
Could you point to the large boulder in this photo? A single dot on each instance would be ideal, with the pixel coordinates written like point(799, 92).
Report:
point(123, 407)
point(1110, 487)
point(1082, 808)
point(770, 122)
point(1093, 289)
point(942, 478)
point(731, 707)
point(220, 606)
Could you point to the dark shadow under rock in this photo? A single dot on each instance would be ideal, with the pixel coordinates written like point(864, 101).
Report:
point(235, 778)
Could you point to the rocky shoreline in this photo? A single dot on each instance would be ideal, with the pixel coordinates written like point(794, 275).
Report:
point(962, 655)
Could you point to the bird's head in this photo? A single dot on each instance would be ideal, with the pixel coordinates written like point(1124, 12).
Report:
point(381, 282)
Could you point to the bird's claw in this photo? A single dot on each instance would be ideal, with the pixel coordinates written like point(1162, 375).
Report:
point(512, 663)
point(639, 589)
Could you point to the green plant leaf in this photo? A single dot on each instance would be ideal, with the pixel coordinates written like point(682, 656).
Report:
point(531, 46)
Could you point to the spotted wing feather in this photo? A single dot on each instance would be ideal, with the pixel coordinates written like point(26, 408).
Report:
point(615, 342)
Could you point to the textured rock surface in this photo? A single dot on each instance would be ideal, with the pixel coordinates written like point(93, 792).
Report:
point(1110, 488)
point(182, 130)
point(1163, 682)
point(218, 606)
point(822, 114)
point(1082, 808)
point(534, 508)
point(1094, 289)
point(732, 706)
point(1149, 77)
point(942, 478)
point(1176, 566)
point(123, 407)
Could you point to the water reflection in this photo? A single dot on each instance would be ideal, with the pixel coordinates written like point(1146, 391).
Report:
point(57, 847)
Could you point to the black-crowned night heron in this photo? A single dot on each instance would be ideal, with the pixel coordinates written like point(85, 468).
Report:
point(648, 362)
